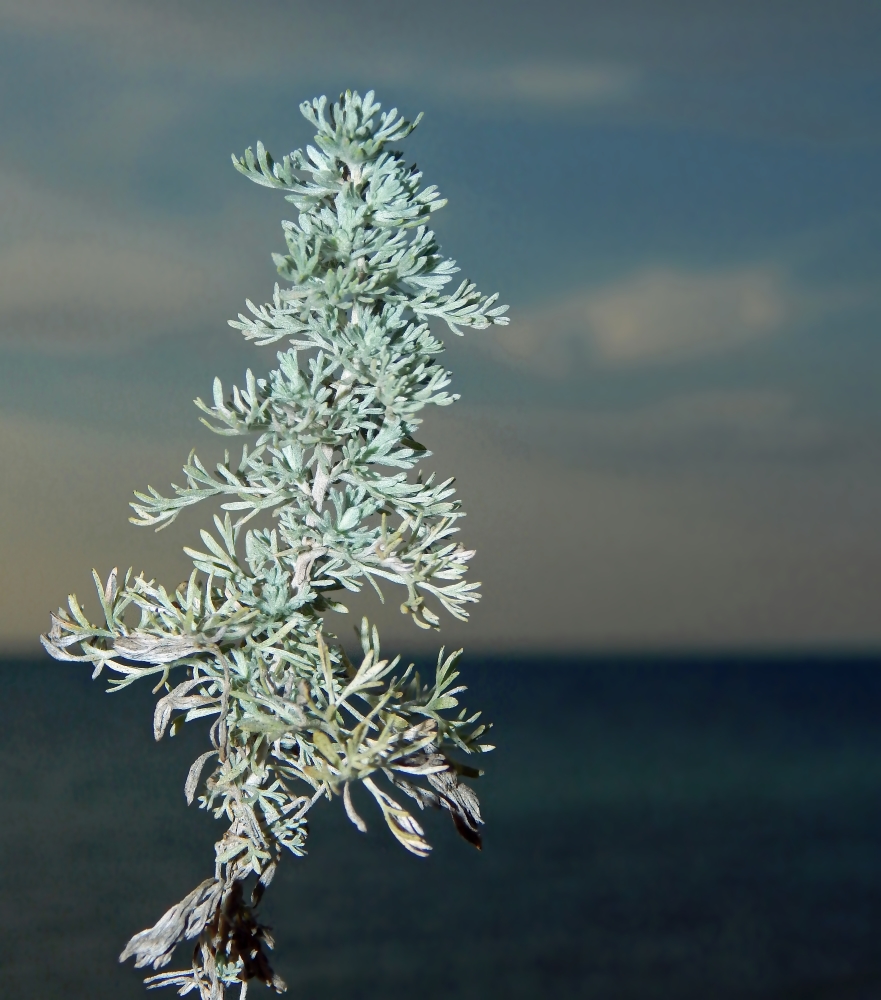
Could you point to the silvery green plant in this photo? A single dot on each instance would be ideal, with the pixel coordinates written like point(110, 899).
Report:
point(245, 641)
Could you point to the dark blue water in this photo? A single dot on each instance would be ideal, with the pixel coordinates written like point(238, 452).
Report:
point(656, 828)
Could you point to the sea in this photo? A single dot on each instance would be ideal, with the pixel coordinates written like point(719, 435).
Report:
point(685, 827)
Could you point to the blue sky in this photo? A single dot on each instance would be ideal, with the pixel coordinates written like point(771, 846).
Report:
point(676, 441)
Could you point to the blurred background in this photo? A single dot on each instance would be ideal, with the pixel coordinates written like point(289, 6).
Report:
point(669, 462)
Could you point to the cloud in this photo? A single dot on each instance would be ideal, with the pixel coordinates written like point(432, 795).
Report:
point(633, 551)
point(572, 554)
point(79, 275)
point(647, 63)
point(567, 83)
point(233, 45)
point(686, 429)
point(85, 294)
point(65, 493)
point(664, 313)
point(658, 314)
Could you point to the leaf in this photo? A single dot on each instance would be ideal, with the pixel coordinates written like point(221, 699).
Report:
point(445, 701)
point(350, 809)
point(326, 748)
point(194, 774)
point(179, 698)
point(401, 823)
point(158, 649)
point(185, 920)
point(462, 804)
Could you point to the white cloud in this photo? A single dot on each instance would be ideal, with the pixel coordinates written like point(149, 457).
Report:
point(231, 43)
point(664, 313)
point(85, 293)
point(138, 35)
point(79, 275)
point(659, 314)
point(694, 76)
point(568, 84)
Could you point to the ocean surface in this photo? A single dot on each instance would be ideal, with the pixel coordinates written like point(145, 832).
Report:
point(656, 827)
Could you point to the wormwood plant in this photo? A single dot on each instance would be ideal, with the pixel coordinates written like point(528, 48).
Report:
point(245, 639)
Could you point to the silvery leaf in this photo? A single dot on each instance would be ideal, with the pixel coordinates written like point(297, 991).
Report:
point(194, 774)
point(178, 698)
point(158, 649)
point(185, 920)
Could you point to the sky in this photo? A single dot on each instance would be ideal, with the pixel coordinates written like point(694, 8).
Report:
point(676, 442)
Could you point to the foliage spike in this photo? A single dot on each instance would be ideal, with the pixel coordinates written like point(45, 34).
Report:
point(332, 454)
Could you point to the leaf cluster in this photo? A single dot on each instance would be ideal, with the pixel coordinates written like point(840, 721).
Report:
point(331, 455)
